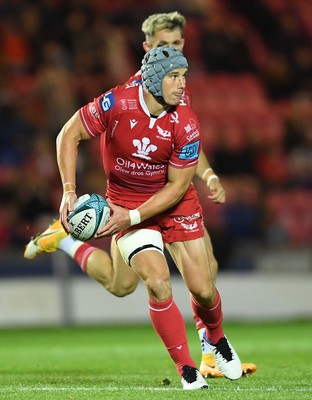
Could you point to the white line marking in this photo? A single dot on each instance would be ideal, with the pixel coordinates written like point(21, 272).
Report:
point(140, 388)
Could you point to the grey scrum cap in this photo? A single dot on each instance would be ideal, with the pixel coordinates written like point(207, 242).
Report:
point(157, 63)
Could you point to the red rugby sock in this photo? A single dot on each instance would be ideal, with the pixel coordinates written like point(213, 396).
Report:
point(169, 324)
point(82, 254)
point(211, 316)
point(198, 322)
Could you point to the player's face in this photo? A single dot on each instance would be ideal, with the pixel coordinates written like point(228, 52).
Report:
point(173, 86)
point(165, 37)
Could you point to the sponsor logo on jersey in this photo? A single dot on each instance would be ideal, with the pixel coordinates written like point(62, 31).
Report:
point(132, 104)
point(127, 167)
point(93, 111)
point(107, 101)
point(193, 135)
point(139, 165)
point(133, 123)
point(114, 127)
point(136, 82)
point(191, 130)
point(124, 104)
point(174, 117)
point(163, 132)
point(190, 151)
point(191, 126)
point(143, 148)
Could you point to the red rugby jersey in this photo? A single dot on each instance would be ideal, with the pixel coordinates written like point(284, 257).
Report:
point(136, 148)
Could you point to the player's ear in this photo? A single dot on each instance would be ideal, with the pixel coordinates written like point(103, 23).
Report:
point(146, 46)
point(182, 41)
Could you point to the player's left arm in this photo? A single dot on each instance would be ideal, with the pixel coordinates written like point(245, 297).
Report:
point(205, 172)
point(179, 181)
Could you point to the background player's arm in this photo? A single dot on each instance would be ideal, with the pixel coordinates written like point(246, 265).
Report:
point(204, 171)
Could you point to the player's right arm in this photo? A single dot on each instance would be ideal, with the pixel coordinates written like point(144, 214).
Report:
point(67, 142)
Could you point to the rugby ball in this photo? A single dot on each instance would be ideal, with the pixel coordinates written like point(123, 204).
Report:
point(91, 212)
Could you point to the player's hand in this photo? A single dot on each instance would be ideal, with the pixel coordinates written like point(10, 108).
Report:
point(118, 221)
point(217, 192)
point(67, 205)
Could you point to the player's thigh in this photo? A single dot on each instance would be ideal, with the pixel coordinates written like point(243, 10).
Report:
point(124, 279)
point(213, 264)
point(152, 267)
point(192, 261)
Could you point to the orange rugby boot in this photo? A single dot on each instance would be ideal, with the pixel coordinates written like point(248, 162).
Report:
point(47, 241)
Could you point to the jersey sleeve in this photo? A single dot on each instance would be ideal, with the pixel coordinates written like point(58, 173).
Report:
point(187, 143)
point(95, 115)
point(134, 79)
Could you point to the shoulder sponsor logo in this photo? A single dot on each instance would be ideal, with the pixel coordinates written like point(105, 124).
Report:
point(107, 101)
point(93, 111)
point(190, 151)
point(192, 135)
point(143, 148)
point(192, 130)
point(136, 82)
point(191, 126)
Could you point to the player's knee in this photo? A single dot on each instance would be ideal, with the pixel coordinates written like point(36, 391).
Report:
point(123, 290)
point(204, 295)
point(158, 289)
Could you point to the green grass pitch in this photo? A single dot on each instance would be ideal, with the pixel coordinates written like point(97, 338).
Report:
point(129, 362)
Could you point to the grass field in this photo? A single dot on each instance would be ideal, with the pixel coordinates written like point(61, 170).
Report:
point(129, 362)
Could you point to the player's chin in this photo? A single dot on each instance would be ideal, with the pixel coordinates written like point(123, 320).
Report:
point(175, 100)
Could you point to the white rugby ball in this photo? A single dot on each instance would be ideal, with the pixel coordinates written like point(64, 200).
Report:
point(91, 212)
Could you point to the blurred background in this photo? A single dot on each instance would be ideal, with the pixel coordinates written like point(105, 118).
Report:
point(251, 81)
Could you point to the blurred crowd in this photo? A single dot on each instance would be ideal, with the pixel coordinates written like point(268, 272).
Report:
point(251, 81)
